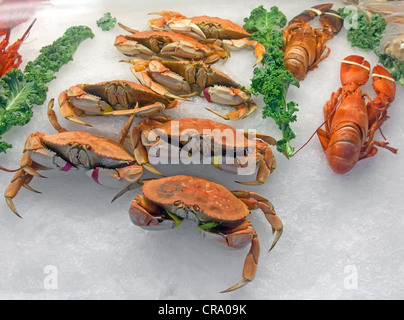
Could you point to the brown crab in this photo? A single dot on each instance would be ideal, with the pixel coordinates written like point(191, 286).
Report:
point(188, 78)
point(147, 44)
point(223, 32)
point(116, 98)
point(228, 149)
point(106, 161)
point(219, 213)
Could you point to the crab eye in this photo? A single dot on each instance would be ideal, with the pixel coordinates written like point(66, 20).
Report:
point(178, 203)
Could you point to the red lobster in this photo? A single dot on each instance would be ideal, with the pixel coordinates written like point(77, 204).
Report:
point(9, 56)
point(350, 123)
point(303, 45)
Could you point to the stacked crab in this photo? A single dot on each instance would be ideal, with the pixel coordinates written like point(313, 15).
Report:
point(219, 213)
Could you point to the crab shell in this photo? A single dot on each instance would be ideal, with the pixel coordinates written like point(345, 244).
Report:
point(82, 149)
point(121, 94)
point(207, 200)
point(199, 75)
point(157, 40)
point(218, 28)
point(221, 134)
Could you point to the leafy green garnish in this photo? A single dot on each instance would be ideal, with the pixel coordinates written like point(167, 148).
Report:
point(272, 80)
point(107, 22)
point(20, 91)
point(366, 33)
point(262, 20)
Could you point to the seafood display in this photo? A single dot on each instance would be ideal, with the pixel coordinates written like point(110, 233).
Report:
point(350, 123)
point(187, 78)
point(304, 46)
point(172, 65)
point(115, 98)
point(220, 214)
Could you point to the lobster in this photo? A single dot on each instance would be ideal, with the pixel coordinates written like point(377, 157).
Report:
point(350, 123)
point(9, 56)
point(303, 45)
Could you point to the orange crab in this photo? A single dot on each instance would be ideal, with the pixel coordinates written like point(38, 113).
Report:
point(114, 98)
point(147, 44)
point(188, 78)
point(228, 149)
point(220, 214)
point(208, 29)
point(106, 161)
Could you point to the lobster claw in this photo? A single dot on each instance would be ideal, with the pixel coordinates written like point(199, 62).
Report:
point(354, 70)
point(384, 85)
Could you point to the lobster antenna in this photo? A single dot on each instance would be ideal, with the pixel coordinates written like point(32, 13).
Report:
point(311, 137)
point(329, 116)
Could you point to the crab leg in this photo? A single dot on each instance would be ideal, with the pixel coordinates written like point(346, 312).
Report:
point(255, 201)
point(266, 167)
point(237, 44)
point(232, 97)
point(237, 238)
point(67, 109)
point(22, 178)
point(148, 82)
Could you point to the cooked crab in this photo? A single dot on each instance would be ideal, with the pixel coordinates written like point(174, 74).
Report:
point(223, 32)
point(106, 161)
point(219, 213)
point(228, 149)
point(187, 78)
point(147, 44)
point(114, 98)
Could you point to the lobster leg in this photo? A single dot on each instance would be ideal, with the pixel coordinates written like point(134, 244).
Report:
point(369, 149)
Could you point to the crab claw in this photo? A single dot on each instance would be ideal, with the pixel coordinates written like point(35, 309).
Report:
point(187, 27)
point(183, 49)
point(231, 97)
point(131, 47)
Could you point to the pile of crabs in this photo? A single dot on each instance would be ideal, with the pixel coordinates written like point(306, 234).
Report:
point(173, 62)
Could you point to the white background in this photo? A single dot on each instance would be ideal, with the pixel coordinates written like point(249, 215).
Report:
point(338, 228)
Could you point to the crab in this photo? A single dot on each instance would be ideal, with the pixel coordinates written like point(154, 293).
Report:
point(222, 32)
point(106, 161)
point(148, 44)
point(219, 213)
point(188, 78)
point(228, 149)
point(114, 98)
